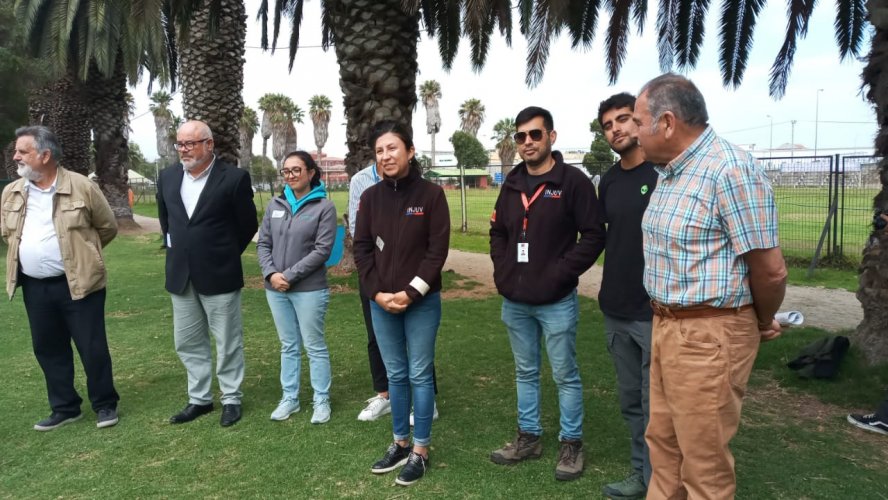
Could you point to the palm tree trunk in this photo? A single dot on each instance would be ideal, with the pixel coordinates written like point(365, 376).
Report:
point(433, 150)
point(375, 44)
point(61, 106)
point(871, 335)
point(109, 114)
point(212, 67)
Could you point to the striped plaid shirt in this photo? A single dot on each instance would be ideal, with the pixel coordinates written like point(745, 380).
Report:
point(712, 205)
point(359, 183)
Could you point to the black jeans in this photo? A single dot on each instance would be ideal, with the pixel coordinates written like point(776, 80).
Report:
point(377, 367)
point(55, 321)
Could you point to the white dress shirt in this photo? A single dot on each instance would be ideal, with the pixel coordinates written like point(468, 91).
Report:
point(39, 253)
point(193, 186)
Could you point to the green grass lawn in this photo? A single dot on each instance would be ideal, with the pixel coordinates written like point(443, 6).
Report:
point(793, 442)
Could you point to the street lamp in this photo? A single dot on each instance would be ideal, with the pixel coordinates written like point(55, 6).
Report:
point(816, 117)
point(792, 139)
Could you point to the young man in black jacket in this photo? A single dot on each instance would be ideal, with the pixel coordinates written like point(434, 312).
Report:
point(537, 260)
point(624, 192)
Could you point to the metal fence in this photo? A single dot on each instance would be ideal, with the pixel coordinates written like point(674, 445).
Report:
point(824, 203)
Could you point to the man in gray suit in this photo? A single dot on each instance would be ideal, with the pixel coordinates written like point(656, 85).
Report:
point(208, 218)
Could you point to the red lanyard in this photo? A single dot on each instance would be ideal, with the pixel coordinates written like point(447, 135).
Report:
point(527, 205)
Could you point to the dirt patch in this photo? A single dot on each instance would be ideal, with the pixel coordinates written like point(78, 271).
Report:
point(767, 404)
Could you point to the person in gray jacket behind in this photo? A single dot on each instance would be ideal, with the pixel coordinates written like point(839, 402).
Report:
point(295, 240)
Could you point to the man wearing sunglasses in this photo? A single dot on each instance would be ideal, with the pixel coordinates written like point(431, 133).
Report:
point(208, 218)
point(545, 232)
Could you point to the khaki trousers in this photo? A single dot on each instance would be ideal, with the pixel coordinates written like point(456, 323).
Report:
point(699, 371)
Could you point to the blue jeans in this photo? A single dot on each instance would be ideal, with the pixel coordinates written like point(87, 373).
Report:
point(407, 344)
point(557, 324)
point(299, 319)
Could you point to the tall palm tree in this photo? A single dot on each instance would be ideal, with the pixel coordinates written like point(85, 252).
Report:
point(282, 112)
point(62, 106)
point(248, 126)
point(212, 68)
point(163, 122)
point(505, 144)
point(429, 93)
point(375, 43)
point(471, 115)
point(103, 43)
point(319, 111)
point(265, 104)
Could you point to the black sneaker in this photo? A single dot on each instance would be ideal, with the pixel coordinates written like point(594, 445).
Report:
point(413, 471)
point(395, 456)
point(56, 420)
point(869, 422)
point(106, 417)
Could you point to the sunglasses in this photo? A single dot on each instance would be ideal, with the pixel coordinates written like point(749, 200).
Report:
point(535, 135)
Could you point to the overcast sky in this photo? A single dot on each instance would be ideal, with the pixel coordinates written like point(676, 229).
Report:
point(576, 81)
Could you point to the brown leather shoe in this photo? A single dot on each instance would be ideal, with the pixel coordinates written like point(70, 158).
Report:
point(524, 447)
point(570, 461)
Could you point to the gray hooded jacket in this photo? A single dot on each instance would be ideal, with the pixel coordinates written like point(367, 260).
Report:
point(297, 245)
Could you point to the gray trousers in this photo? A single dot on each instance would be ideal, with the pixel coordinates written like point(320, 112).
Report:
point(195, 317)
point(629, 343)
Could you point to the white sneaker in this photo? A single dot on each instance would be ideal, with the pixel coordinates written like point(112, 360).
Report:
point(284, 409)
point(377, 406)
point(434, 414)
point(321, 413)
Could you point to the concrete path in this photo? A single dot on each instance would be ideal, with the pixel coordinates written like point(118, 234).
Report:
point(829, 309)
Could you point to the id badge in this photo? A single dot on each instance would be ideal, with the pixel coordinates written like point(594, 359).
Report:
point(523, 252)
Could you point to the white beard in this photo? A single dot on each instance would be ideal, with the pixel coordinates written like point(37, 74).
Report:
point(26, 172)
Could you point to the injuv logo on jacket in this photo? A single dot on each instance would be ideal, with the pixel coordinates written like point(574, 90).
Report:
point(552, 193)
point(414, 211)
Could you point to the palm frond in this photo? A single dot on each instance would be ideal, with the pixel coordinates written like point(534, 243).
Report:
point(525, 18)
point(849, 24)
point(617, 37)
point(501, 12)
point(295, 23)
point(639, 13)
point(582, 21)
point(328, 36)
point(262, 17)
point(538, 36)
point(736, 27)
point(690, 31)
point(478, 25)
point(448, 20)
point(666, 19)
point(799, 14)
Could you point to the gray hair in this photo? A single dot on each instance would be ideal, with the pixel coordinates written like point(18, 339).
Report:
point(44, 140)
point(675, 93)
point(201, 127)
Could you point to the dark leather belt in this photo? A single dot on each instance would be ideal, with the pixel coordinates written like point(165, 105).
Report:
point(665, 311)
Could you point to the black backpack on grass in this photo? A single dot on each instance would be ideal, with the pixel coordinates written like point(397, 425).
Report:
point(821, 358)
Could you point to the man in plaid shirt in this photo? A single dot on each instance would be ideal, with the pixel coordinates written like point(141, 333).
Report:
point(716, 276)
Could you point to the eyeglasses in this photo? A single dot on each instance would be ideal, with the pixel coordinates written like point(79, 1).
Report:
point(535, 135)
point(287, 172)
point(188, 145)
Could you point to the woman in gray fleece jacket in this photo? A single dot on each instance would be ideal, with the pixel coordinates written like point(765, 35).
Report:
point(295, 241)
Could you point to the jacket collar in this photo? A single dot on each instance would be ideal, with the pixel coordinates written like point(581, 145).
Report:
point(412, 175)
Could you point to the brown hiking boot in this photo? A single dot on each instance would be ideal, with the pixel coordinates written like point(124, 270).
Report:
point(524, 447)
point(570, 461)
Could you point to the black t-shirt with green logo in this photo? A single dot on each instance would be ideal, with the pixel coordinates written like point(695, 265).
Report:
point(624, 196)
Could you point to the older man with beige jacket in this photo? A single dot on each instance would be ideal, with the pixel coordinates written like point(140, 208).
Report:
point(56, 223)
